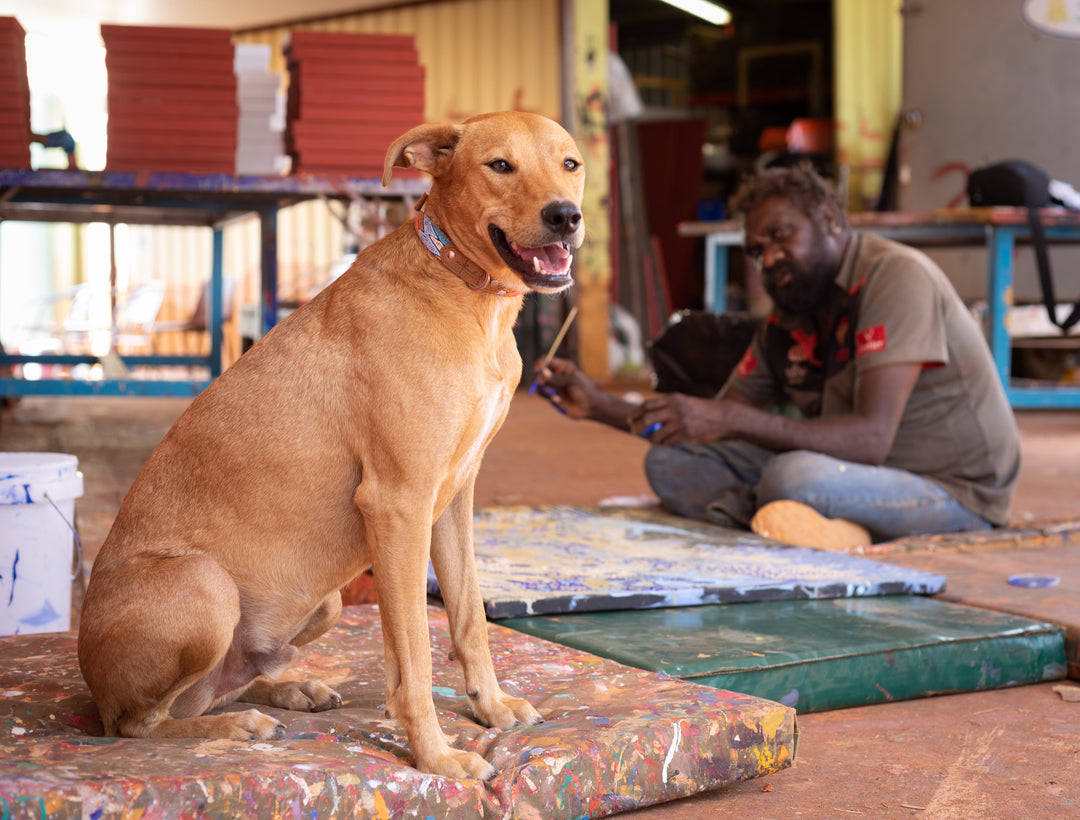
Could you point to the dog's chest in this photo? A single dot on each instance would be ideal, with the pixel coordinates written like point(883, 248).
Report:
point(487, 417)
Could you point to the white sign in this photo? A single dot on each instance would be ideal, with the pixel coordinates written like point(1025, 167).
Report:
point(1060, 18)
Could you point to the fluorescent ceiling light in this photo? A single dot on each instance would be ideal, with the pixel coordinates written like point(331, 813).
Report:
point(711, 12)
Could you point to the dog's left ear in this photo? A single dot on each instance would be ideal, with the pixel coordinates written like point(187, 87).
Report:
point(428, 148)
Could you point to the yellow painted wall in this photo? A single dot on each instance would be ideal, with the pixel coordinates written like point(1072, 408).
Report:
point(867, 76)
point(478, 55)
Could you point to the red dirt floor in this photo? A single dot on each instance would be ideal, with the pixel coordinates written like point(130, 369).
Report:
point(1011, 753)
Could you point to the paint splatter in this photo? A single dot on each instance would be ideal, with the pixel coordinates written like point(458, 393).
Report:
point(613, 739)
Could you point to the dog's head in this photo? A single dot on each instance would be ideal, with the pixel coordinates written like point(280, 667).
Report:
point(507, 189)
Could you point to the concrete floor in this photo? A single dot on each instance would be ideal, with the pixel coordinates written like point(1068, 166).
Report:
point(1003, 754)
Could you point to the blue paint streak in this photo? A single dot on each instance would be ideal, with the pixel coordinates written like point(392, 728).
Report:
point(14, 577)
point(43, 616)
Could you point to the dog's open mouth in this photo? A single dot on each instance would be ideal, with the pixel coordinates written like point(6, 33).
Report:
point(547, 266)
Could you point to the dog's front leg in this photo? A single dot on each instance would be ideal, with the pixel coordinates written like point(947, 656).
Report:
point(399, 541)
point(455, 567)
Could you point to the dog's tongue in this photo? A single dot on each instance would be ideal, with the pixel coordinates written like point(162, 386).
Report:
point(553, 258)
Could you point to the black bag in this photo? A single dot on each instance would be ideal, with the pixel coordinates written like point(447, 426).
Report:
point(1014, 183)
point(698, 349)
point(1020, 184)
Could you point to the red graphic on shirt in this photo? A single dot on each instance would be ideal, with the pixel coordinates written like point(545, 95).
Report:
point(805, 343)
point(747, 364)
point(870, 340)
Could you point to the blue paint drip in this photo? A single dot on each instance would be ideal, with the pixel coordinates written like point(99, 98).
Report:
point(45, 615)
point(14, 577)
point(97, 813)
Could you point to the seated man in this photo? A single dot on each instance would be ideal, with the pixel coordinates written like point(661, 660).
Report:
point(903, 428)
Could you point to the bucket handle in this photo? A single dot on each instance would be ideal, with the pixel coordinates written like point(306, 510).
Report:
point(77, 568)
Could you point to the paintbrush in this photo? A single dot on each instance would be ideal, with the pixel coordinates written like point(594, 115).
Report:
point(559, 337)
point(546, 390)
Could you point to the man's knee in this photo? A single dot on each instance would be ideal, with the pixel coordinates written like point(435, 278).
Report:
point(797, 475)
point(685, 478)
point(660, 461)
point(666, 469)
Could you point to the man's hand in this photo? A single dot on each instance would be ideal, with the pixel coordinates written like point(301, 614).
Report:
point(865, 435)
point(561, 383)
point(572, 393)
point(681, 418)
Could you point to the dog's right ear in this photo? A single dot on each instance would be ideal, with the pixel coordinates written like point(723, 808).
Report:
point(428, 148)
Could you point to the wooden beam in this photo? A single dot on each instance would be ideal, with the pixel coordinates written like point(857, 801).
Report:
point(586, 38)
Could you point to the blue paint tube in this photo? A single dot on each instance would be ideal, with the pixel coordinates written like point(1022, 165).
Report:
point(548, 392)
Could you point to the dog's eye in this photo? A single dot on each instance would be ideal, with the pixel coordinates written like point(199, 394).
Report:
point(500, 166)
point(571, 164)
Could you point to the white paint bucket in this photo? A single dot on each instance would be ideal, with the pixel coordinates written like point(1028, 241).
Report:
point(37, 514)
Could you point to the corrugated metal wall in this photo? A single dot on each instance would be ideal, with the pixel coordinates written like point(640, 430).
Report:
point(478, 55)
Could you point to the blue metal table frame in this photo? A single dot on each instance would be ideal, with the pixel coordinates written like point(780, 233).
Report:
point(146, 198)
point(999, 230)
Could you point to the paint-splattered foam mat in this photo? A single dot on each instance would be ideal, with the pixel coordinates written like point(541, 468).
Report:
point(1041, 583)
point(614, 738)
point(817, 655)
point(554, 560)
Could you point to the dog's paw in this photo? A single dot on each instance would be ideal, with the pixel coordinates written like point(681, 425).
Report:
point(306, 696)
point(254, 725)
point(320, 696)
point(297, 696)
point(459, 764)
point(505, 712)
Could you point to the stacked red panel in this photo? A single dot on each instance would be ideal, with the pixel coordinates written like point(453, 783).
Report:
point(171, 100)
point(14, 96)
point(350, 96)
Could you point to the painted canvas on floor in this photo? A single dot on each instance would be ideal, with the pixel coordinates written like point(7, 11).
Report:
point(825, 654)
point(553, 560)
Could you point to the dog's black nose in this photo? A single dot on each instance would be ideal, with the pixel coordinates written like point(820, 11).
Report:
point(562, 218)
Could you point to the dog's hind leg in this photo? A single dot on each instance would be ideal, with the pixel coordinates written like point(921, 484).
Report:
point(455, 567)
point(398, 537)
point(301, 695)
point(152, 644)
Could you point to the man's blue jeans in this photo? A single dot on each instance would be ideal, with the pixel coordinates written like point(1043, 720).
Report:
point(726, 482)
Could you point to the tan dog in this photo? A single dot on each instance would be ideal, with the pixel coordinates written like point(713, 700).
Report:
point(349, 437)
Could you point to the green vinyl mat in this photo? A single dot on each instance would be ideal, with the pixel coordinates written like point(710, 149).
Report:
point(821, 654)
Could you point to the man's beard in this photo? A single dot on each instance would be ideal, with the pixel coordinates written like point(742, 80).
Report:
point(808, 288)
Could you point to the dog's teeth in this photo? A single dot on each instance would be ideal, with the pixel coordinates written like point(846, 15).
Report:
point(536, 264)
point(569, 261)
